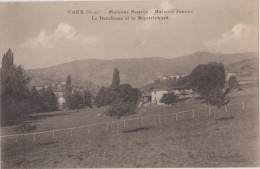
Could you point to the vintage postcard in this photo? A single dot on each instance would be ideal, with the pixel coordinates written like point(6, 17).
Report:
point(129, 84)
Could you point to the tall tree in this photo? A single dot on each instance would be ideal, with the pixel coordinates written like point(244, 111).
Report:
point(68, 92)
point(209, 81)
point(208, 77)
point(52, 99)
point(103, 98)
point(76, 100)
point(116, 78)
point(35, 100)
point(14, 88)
point(87, 97)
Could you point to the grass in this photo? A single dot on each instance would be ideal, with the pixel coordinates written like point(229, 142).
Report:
point(219, 140)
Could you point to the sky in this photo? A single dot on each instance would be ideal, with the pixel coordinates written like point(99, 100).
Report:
point(43, 34)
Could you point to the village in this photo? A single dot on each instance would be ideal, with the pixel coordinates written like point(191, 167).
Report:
point(135, 84)
point(152, 97)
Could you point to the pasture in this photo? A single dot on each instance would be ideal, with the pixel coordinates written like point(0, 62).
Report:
point(215, 139)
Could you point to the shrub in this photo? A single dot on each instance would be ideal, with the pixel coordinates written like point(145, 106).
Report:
point(121, 108)
point(169, 98)
point(24, 126)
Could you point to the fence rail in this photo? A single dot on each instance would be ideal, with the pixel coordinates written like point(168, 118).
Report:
point(125, 120)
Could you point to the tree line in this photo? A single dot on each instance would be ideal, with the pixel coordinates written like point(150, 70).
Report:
point(16, 98)
point(208, 80)
point(75, 99)
point(121, 99)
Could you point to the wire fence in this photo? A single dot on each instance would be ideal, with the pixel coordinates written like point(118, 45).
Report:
point(71, 129)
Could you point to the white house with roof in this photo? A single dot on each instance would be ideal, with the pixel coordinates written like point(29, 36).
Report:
point(173, 76)
point(157, 95)
point(179, 91)
point(229, 74)
point(61, 102)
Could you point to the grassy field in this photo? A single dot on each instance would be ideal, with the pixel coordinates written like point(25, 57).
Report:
point(221, 139)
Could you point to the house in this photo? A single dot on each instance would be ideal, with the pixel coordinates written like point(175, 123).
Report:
point(61, 101)
point(39, 87)
point(63, 83)
point(174, 76)
point(183, 75)
point(146, 97)
point(229, 74)
point(46, 86)
point(179, 91)
point(157, 95)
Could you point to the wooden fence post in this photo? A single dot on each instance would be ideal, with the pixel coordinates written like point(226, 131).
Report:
point(176, 116)
point(226, 108)
point(118, 127)
point(209, 110)
point(193, 113)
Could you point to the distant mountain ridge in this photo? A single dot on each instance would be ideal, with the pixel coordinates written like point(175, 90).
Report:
point(136, 71)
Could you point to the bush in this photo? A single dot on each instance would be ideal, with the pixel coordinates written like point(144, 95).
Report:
point(121, 108)
point(233, 82)
point(24, 126)
point(216, 98)
point(124, 92)
point(169, 98)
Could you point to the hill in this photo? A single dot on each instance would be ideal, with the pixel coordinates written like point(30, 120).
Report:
point(245, 67)
point(137, 72)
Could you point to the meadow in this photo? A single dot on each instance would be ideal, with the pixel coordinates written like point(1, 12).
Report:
point(196, 139)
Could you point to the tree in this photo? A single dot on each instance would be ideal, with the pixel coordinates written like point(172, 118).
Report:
point(35, 100)
point(233, 82)
point(121, 108)
point(51, 99)
point(217, 98)
point(87, 97)
point(209, 81)
point(45, 100)
point(76, 100)
point(125, 92)
point(104, 97)
point(44, 103)
point(207, 77)
point(169, 98)
point(14, 87)
point(116, 78)
point(68, 92)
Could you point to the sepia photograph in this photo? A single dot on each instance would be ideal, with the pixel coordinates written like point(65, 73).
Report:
point(129, 84)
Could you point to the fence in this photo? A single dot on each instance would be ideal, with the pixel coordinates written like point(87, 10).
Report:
point(209, 109)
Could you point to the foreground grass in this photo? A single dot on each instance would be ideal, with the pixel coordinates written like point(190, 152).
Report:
point(226, 140)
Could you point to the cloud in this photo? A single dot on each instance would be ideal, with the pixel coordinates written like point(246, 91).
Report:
point(241, 38)
point(63, 33)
